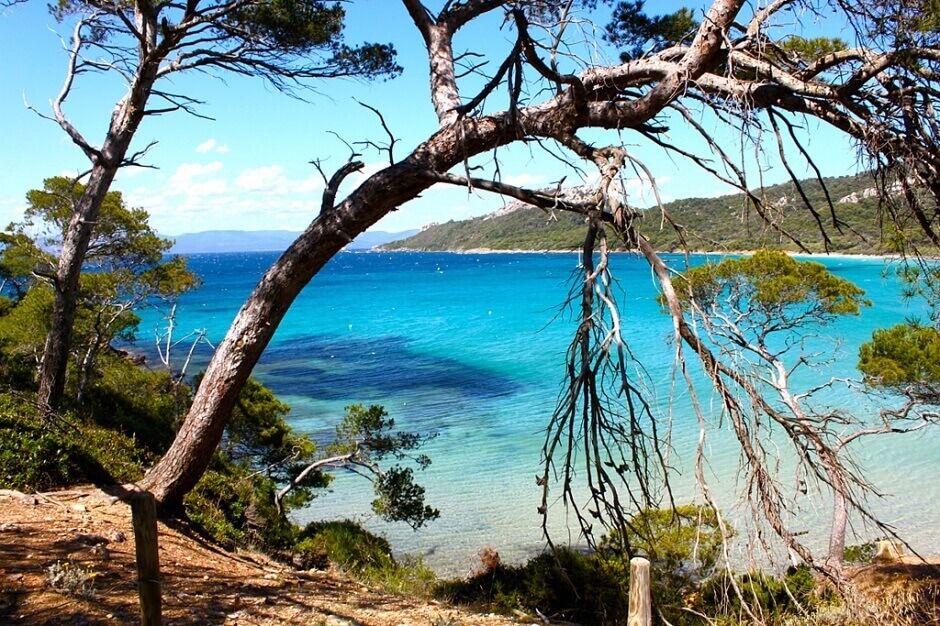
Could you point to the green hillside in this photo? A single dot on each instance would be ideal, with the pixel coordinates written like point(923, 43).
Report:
point(723, 223)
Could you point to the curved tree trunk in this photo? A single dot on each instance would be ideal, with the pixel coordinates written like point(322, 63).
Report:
point(457, 140)
point(188, 457)
point(254, 326)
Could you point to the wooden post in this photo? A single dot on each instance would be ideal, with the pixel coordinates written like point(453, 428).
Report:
point(641, 612)
point(144, 516)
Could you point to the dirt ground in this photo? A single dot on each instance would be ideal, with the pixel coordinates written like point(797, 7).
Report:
point(87, 531)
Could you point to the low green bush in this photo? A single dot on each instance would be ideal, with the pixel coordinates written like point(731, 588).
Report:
point(35, 456)
point(862, 554)
point(760, 594)
point(367, 556)
point(565, 584)
point(137, 402)
point(235, 506)
point(344, 543)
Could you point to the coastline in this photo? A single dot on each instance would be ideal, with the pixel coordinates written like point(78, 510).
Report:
point(812, 255)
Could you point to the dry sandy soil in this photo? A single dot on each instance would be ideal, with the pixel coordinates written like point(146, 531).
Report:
point(202, 584)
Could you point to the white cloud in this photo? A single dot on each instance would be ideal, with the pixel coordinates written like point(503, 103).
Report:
point(212, 187)
point(200, 196)
point(73, 174)
point(206, 146)
point(308, 185)
point(261, 178)
point(211, 145)
point(523, 180)
point(187, 172)
point(11, 210)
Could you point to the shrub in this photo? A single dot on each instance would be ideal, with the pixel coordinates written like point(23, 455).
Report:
point(365, 555)
point(863, 554)
point(346, 544)
point(137, 402)
point(765, 595)
point(566, 584)
point(235, 505)
point(36, 457)
point(682, 545)
point(71, 579)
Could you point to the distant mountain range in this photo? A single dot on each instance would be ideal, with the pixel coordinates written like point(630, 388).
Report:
point(266, 240)
point(729, 222)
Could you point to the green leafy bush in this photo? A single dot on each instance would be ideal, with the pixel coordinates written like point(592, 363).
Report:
point(235, 505)
point(344, 543)
point(37, 457)
point(683, 545)
point(365, 555)
point(566, 584)
point(762, 594)
point(861, 554)
point(140, 403)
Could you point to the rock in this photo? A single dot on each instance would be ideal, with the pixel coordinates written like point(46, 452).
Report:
point(79, 508)
point(118, 536)
point(100, 552)
point(10, 527)
point(19, 495)
point(888, 551)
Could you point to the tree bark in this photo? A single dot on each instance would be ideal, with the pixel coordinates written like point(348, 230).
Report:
point(55, 356)
point(840, 517)
point(187, 459)
point(124, 123)
point(254, 326)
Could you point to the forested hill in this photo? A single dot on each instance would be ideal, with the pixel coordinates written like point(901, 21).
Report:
point(724, 223)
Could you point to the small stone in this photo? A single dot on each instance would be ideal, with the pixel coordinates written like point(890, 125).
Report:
point(335, 620)
point(10, 527)
point(118, 536)
point(79, 508)
point(19, 495)
point(888, 551)
point(101, 552)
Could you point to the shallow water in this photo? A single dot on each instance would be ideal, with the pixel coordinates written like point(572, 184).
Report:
point(471, 347)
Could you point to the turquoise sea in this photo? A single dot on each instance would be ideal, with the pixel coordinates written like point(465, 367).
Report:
point(471, 347)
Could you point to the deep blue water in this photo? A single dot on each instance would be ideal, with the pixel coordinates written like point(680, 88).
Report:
point(471, 347)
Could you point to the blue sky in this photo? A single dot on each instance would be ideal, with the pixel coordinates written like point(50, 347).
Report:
point(248, 168)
